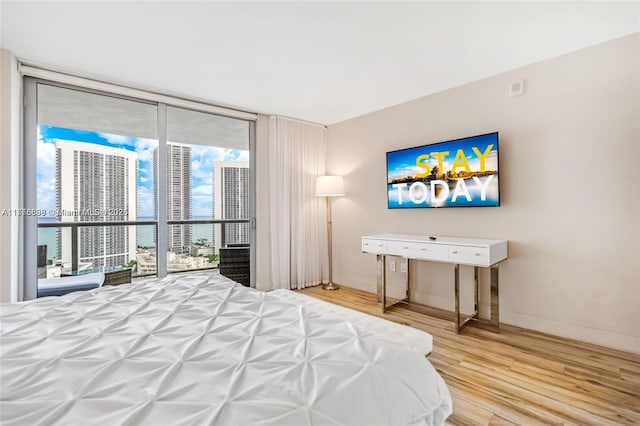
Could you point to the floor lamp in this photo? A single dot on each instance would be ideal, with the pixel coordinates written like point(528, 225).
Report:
point(329, 186)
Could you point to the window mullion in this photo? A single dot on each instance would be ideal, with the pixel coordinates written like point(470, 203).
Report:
point(161, 214)
point(29, 180)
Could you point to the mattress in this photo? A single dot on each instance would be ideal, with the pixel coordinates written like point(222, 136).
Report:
point(201, 349)
point(400, 335)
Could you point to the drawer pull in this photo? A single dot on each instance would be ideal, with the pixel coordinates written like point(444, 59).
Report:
point(477, 254)
point(405, 248)
point(423, 249)
point(454, 252)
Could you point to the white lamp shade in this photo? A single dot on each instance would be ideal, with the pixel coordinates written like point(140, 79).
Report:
point(329, 186)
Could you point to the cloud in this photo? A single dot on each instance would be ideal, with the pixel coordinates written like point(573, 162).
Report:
point(201, 173)
point(145, 201)
point(408, 171)
point(202, 190)
point(491, 162)
point(202, 158)
point(236, 155)
point(117, 139)
point(46, 173)
point(230, 155)
point(207, 153)
point(145, 148)
point(144, 179)
point(201, 205)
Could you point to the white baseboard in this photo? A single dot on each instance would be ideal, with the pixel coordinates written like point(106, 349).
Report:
point(589, 333)
point(537, 321)
point(447, 304)
point(356, 283)
point(439, 302)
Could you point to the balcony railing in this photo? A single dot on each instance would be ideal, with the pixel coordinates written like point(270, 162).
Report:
point(75, 226)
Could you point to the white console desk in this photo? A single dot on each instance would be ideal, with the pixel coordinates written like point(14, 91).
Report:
point(458, 251)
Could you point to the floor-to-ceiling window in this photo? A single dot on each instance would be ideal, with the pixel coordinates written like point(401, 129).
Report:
point(118, 183)
point(208, 187)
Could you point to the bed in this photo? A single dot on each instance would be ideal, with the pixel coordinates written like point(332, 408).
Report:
point(201, 349)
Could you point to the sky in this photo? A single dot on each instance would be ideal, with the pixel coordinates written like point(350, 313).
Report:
point(402, 163)
point(201, 167)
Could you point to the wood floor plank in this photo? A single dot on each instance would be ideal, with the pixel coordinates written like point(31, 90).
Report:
point(582, 408)
point(518, 376)
point(496, 397)
point(606, 393)
point(496, 420)
point(598, 378)
point(630, 375)
point(469, 412)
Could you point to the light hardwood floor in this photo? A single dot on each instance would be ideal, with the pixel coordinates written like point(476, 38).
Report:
point(519, 376)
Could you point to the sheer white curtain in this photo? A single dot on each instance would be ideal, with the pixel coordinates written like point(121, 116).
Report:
point(297, 218)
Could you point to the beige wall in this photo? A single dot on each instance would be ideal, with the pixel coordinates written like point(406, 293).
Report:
point(570, 191)
point(10, 91)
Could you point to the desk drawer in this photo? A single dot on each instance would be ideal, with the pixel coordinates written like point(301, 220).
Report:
point(374, 246)
point(418, 250)
point(469, 254)
point(398, 248)
point(429, 251)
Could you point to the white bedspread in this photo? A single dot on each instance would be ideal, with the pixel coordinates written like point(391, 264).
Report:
point(400, 335)
point(198, 349)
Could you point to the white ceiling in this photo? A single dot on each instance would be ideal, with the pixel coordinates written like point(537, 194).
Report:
point(319, 61)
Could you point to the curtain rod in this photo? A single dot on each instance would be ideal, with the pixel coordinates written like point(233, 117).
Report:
point(48, 73)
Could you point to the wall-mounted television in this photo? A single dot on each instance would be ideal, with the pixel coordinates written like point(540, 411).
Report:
point(456, 173)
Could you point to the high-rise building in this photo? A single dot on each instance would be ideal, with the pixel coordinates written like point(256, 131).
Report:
point(231, 199)
point(96, 183)
point(178, 195)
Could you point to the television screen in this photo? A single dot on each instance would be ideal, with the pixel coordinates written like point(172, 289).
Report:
point(457, 173)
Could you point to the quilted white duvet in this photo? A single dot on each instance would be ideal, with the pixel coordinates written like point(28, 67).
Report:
point(199, 349)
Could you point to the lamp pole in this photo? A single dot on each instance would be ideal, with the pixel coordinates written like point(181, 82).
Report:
point(327, 187)
point(330, 285)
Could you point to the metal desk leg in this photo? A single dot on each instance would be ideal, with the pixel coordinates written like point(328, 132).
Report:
point(495, 301)
point(474, 316)
point(457, 287)
point(382, 280)
point(378, 278)
point(408, 279)
point(475, 291)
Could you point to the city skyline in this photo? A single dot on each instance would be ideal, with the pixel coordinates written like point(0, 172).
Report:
point(178, 161)
point(403, 163)
point(201, 166)
point(231, 189)
point(98, 180)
